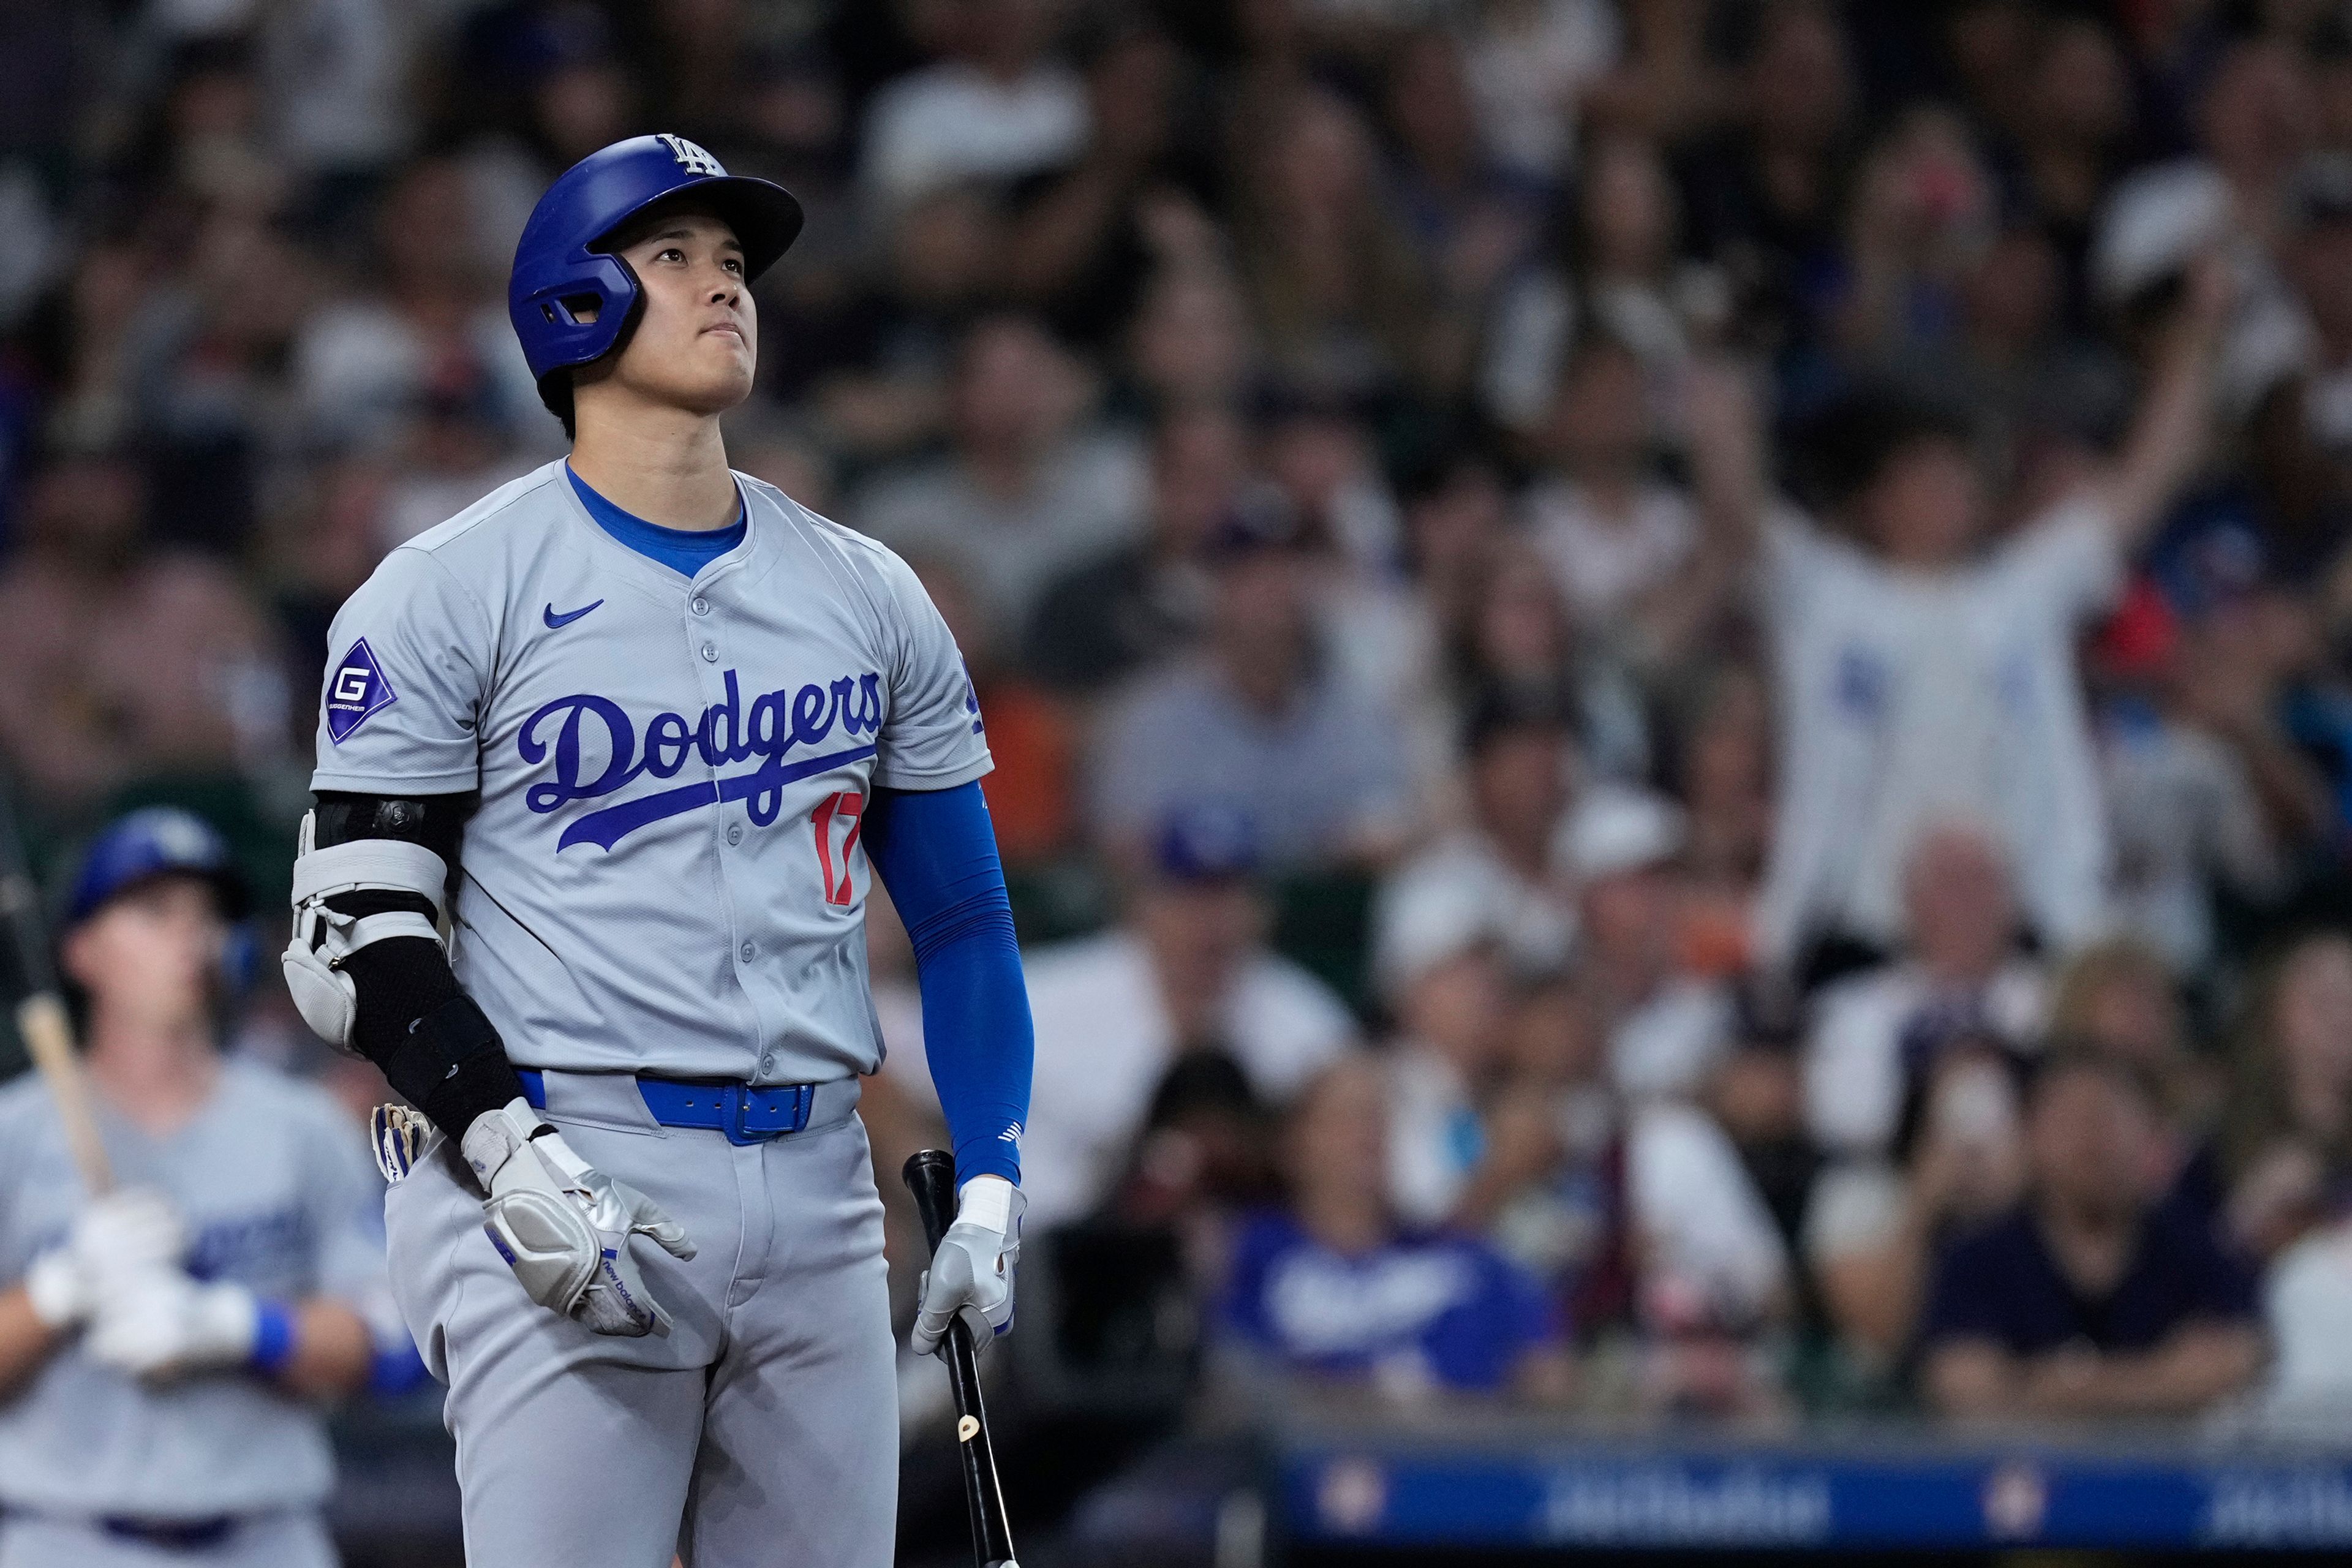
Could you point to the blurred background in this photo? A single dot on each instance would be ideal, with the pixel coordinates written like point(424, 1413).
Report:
point(1641, 934)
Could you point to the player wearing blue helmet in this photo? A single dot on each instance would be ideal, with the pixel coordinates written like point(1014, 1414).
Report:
point(607, 765)
point(161, 1345)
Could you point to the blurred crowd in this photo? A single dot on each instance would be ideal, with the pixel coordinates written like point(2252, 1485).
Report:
point(1671, 679)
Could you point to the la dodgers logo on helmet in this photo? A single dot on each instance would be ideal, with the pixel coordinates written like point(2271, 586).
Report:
point(690, 158)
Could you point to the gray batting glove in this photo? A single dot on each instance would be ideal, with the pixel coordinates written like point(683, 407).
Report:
point(971, 1275)
point(563, 1226)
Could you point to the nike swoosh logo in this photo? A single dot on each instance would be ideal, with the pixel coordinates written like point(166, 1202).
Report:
point(567, 617)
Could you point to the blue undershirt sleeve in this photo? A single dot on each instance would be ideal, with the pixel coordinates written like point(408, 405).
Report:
point(935, 851)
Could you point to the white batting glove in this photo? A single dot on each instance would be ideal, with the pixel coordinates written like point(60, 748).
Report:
point(122, 1236)
point(163, 1325)
point(563, 1226)
point(971, 1275)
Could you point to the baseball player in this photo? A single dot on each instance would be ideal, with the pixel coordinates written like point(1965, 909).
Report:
point(607, 763)
point(162, 1348)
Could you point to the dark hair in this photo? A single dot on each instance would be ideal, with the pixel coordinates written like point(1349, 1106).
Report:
point(1845, 448)
point(555, 392)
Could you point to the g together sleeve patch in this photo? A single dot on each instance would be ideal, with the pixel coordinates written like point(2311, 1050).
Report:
point(355, 690)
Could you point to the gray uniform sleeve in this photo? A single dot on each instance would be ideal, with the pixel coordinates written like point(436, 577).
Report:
point(410, 652)
point(933, 736)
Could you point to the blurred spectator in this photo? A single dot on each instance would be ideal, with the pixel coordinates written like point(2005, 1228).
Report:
point(877, 361)
point(1920, 681)
point(1191, 340)
point(995, 108)
point(1762, 197)
point(1717, 1191)
point(1437, 959)
point(1529, 62)
point(1101, 621)
point(1878, 1033)
point(1875, 1227)
point(2189, 717)
point(2321, 261)
point(432, 322)
point(1665, 1026)
point(1921, 215)
point(1519, 758)
point(1339, 294)
point(2117, 997)
point(1255, 723)
point(1720, 768)
point(1028, 491)
point(203, 359)
point(1032, 792)
point(2290, 1129)
point(123, 659)
point(2091, 1298)
point(2308, 1313)
point(1563, 1216)
point(1187, 973)
point(1375, 631)
point(1619, 276)
point(1333, 1287)
point(1472, 218)
point(1518, 636)
point(1607, 526)
point(1084, 236)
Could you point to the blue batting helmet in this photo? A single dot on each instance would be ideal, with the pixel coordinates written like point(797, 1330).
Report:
point(560, 271)
point(159, 841)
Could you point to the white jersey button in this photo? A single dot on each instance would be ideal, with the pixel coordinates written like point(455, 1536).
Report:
point(750, 953)
point(734, 833)
point(701, 605)
point(710, 653)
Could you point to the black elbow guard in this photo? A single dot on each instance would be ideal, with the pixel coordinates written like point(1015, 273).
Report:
point(436, 1048)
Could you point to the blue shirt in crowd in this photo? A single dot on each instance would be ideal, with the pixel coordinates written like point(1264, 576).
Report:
point(2003, 1284)
point(1445, 1305)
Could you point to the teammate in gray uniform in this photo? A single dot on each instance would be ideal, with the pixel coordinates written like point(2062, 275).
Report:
point(162, 1348)
point(607, 764)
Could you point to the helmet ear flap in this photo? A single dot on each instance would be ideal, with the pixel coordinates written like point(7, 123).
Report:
point(556, 388)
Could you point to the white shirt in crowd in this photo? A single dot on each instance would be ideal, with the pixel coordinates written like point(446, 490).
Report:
point(2307, 1306)
point(1534, 918)
point(1853, 1062)
point(1104, 1042)
point(952, 122)
point(1910, 699)
point(1434, 1141)
point(1700, 1220)
point(1663, 1048)
point(1604, 564)
point(2186, 818)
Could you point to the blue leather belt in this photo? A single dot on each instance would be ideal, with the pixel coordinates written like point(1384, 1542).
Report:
point(746, 1112)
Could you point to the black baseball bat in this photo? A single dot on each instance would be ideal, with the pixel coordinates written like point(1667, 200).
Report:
point(930, 1176)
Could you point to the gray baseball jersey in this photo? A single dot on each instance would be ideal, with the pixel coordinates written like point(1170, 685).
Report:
point(279, 1194)
point(665, 871)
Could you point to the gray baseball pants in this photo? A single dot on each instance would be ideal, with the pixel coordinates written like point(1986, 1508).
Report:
point(764, 1430)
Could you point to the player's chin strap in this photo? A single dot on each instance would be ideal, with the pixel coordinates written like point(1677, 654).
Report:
point(323, 938)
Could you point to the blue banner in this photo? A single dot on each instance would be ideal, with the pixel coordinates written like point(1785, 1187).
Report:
point(1584, 1495)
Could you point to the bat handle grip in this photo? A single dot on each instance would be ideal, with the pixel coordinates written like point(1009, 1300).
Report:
point(929, 1174)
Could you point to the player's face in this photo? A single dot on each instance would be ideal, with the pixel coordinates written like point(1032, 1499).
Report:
point(150, 956)
point(697, 341)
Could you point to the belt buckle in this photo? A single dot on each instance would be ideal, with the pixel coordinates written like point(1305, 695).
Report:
point(735, 1112)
